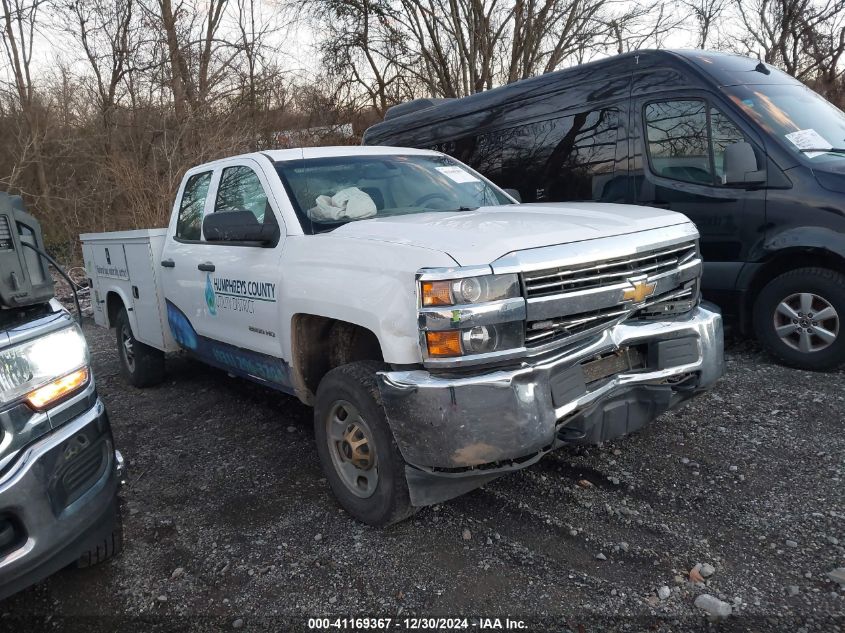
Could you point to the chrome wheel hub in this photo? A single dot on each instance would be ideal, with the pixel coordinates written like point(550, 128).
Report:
point(352, 450)
point(806, 322)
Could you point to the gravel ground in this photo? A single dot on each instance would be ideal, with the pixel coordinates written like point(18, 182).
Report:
point(230, 524)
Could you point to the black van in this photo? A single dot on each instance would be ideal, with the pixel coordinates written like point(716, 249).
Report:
point(755, 158)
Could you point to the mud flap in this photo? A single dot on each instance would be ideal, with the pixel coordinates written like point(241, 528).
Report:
point(427, 489)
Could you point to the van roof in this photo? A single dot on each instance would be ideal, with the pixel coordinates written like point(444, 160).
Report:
point(709, 67)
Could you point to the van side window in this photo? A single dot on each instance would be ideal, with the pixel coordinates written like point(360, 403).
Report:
point(681, 143)
point(189, 220)
point(724, 133)
point(567, 158)
point(482, 152)
point(678, 141)
point(241, 190)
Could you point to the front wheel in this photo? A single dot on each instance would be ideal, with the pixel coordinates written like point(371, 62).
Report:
point(356, 447)
point(140, 364)
point(798, 318)
point(107, 548)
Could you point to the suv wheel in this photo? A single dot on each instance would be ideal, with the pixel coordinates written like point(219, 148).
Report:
point(140, 364)
point(356, 447)
point(800, 318)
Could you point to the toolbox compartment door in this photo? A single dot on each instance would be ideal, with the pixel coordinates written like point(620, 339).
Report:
point(149, 327)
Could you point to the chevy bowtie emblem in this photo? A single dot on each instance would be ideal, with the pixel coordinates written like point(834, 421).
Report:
point(639, 291)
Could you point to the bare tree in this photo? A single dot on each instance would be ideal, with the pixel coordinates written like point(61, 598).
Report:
point(801, 36)
point(452, 48)
point(107, 32)
point(706, 14)
point(20, 22)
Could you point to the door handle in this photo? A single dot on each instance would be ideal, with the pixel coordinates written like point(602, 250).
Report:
point(206, 267)
point(168, 263)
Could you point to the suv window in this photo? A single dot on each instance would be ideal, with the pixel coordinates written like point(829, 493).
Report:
point(687, 142)
point(189, 221)
point(241, 190)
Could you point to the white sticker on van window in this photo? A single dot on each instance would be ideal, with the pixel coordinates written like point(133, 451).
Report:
point(457, 174)
point(809, 139)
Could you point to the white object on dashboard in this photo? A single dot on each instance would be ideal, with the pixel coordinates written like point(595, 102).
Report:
point(347, 204)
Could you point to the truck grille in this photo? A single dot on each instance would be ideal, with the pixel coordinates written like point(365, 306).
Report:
point(604, 283)
point(560, 280)
point(541, 332)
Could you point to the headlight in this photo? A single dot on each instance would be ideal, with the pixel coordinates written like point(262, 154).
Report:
point(44, 369)
point(481, 316)
point(469, 290)
point(480, 339)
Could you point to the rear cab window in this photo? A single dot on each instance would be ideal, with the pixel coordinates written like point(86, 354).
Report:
point(189, 220)
point(240, 189)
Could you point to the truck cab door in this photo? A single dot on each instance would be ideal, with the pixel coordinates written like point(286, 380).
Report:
point(223, 295)
point(680, 145)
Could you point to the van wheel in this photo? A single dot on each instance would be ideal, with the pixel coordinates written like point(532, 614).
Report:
point(141, 365)
point(799, 315)
point(356, 447)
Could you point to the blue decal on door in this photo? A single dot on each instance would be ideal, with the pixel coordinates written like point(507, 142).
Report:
point(255, 366)
point(181, 328)
point(210, 297)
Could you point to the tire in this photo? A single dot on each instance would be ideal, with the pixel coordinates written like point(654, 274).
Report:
point(349, 416)
point(783, 324)
point(107, 548)
point(140, 364)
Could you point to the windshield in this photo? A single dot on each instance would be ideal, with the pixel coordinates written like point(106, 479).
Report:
point(805, 120)
point(329, 192)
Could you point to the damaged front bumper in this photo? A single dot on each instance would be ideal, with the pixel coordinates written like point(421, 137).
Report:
point(459, 432)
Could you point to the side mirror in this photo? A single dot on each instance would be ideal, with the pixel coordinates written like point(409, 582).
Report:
point(238, 226)
point(513, 193)
point(741, 165)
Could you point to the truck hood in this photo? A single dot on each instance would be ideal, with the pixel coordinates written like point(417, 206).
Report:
point(482, 236)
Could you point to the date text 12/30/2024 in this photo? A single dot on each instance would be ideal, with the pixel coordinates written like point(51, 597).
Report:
point(417, 624)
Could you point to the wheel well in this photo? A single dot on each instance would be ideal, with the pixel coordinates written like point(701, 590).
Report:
point(113, 306)
point(784, 261)
point(319, 344)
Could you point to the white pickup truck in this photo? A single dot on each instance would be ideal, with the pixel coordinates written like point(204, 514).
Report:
point(443, 333)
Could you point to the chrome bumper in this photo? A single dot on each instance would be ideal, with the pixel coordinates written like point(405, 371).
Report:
point(506, 419)
point(59, 496)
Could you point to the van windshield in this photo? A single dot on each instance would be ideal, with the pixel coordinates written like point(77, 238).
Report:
point(809, 124)
point(329, 192)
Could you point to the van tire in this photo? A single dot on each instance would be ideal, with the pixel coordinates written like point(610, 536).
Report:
point(107, 548)
point(140, 364)
point(821, 289)
point(350, 392)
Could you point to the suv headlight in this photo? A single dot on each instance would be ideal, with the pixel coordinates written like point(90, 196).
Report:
point(45, 369)
point(470, 318)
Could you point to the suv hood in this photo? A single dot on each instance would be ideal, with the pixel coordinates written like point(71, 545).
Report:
point(482, 236)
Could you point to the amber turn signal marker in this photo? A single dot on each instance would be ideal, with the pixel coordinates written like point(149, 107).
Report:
point(57, 389)
point(447, 343)
point(436, 293)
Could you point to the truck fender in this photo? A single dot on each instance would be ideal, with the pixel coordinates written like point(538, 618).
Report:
point(117, 294)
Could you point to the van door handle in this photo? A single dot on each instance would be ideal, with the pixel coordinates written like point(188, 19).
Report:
point(168, 263)
point(206, 267)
